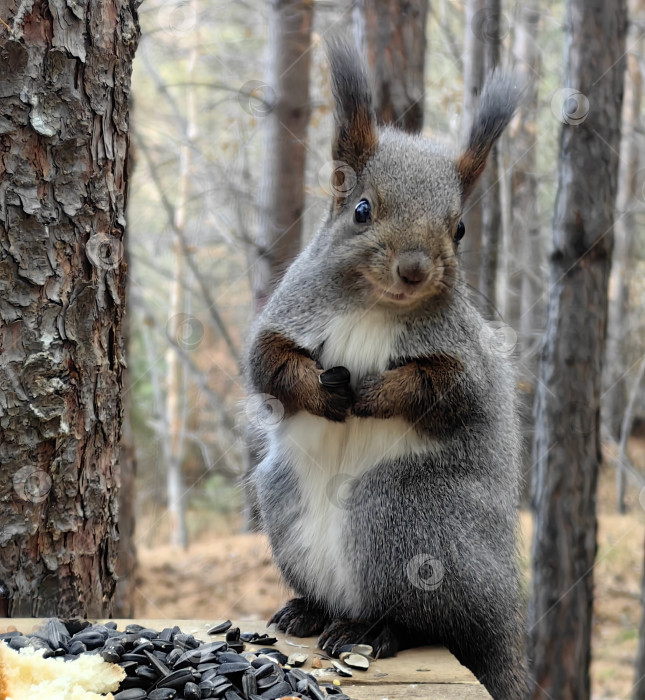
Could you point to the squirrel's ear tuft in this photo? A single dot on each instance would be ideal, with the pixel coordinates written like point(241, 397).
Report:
point(355, 135)
point(497, 104)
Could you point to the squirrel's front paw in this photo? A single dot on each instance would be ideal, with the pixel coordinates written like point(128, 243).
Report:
point(336, 393)
point(369, 398)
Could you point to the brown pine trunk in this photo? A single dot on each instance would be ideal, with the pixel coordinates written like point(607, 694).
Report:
point(394, 37)
point(282, 193)
point(567, 439)
point(65, 78)
point(126, 564)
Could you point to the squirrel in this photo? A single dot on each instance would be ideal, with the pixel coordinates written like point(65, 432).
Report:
point(389, 487)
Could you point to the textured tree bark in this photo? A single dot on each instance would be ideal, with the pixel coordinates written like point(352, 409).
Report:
point(567, 438)
point(126, 563)
point(282, 192)
point(394, 37)
point(64, 85)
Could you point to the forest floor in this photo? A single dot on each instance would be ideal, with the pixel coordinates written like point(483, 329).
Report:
point(232, 576)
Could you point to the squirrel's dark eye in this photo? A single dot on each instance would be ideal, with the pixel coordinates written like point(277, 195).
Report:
point(461, 230)
point(363, 212)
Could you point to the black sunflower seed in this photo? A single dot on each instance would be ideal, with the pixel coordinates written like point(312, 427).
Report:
point(162, 694)
point(222, 627)
point(131, 694)
point(158, 664)
point(171, 664)
point(177, 679)
point(192, 691)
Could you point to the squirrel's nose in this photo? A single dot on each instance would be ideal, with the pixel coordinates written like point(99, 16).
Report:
point(413, 267)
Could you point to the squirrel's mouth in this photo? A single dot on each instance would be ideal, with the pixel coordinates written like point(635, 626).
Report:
point(389, 295)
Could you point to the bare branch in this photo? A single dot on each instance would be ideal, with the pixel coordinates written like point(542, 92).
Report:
point(213, 309)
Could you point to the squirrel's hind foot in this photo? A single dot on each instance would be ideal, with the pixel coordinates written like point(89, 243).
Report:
point(301, 618)
point(379, 635)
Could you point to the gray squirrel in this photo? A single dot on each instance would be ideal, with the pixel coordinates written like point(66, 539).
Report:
point(389, 488)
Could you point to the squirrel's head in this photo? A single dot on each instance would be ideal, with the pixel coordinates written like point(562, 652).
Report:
point(395, 222)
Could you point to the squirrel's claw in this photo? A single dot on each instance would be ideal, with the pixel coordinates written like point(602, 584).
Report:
point(300, 617)
point(380, 636)
point(335, 377)
point(337, 395)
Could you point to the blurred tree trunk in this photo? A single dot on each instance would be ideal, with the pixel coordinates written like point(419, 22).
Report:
point(393, 35)
point(282, 191)
point(567, 442)
point(525, 247)
point(64, 77)
point(487, 25)
point(179, 322)
point(526, 237)
point(638, 692)
point(474, 48)
point(618, 336)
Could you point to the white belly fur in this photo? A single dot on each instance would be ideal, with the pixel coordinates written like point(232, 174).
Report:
point(321, 450)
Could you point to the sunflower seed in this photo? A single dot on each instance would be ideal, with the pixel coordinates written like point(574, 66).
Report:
point(162, 694)
point(341, 668)
point(222, 627)
point(354, 660)
point(297, 659)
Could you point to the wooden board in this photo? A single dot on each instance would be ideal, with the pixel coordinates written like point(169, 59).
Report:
point(430, 673)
